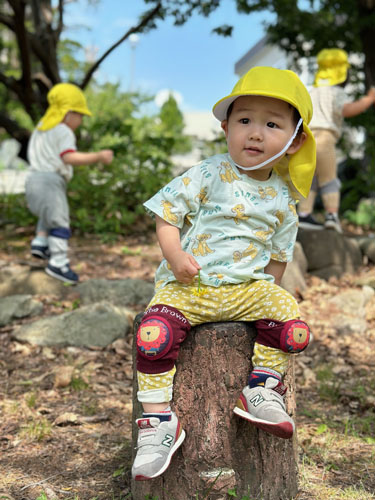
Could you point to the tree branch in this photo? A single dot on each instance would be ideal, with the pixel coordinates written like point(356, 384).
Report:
point(24, 53)
point(7, 21)
point(13, 129)
point(12, 84)
point(60, 24)
point(135, 29)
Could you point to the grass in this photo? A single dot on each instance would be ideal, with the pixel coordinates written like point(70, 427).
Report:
point(37, 429)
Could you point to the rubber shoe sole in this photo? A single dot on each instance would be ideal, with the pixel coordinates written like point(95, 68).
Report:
point(175, 447)
point(311, 227)
point(40, 253)
point(60, 277)
point(283, 430)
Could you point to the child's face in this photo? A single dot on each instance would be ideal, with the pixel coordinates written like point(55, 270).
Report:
point(257, 129)
point(73, 119)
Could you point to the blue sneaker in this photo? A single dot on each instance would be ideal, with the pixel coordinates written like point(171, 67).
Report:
point(41, 252)
point(62, 273)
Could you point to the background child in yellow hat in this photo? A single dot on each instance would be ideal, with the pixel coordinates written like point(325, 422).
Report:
point(331, 105)
point(52, 153)
point(229, 224)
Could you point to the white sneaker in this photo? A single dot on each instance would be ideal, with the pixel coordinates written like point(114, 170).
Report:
point(265, 408)
point(157, 442)
point(332, 222)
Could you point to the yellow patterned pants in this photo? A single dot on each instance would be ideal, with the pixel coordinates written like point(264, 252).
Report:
point(249, 301)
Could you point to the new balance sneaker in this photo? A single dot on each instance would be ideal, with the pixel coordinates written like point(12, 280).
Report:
point(308, 222)
point(332, 222)
point(157, 442)
point(39, 251)
point(264, 407)
point(62, 273)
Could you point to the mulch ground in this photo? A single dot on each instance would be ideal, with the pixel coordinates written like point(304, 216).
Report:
point(65, 426)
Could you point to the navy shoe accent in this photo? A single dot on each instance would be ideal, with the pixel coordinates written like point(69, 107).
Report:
point(62, 273)
point(41, 252)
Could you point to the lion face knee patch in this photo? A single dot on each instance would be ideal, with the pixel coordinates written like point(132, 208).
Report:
point(154, 338)
point(295, 336)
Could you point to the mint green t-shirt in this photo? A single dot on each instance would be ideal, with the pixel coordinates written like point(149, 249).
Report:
point(232, 224)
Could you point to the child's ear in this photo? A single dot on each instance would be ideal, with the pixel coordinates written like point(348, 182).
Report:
point(66, 117)
point(297, 143)
point(224, 126)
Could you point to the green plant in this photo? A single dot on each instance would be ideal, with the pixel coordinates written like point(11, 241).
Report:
point(89, 409)
point(43, 496)
point(78, 384)
point(364, 215)
point(328, 387)
point(31, 399)
point(37, 429)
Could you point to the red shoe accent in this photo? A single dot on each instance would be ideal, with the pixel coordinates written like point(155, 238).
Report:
point(282, 430)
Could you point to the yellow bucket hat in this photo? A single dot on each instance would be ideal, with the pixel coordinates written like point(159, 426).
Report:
point(285, 85)
point(63, 97)
point(333, 67)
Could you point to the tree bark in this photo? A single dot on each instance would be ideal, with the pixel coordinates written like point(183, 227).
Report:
point(221, 452)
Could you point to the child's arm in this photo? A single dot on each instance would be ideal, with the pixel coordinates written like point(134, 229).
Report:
point(276, 269)
point(357, 107)
point(77, 158)
point(183, 265)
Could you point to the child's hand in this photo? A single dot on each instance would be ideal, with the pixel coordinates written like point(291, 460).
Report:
point(106, 156)
point(184, 267)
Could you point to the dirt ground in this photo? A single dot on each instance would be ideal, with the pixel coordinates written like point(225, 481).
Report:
point(65, 425)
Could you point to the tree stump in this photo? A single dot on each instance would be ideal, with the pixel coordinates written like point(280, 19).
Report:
point(221, 451)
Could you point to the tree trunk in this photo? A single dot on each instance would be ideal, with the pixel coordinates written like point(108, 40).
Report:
point(221, 452)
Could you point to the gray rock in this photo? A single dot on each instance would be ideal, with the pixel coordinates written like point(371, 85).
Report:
point(93, 325)
point(293, 279)
point(16, 279)
point(329, 253)
point(367, 245)
point(352, 307)
point(353, 302)
point(124, 292)
point(18, 306)
point(347, 325)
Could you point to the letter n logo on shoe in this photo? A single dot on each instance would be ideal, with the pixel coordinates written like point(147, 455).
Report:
point(256, 400)
point(167, 441)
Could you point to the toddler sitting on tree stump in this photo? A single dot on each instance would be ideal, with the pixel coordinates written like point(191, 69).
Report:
point(227, 229)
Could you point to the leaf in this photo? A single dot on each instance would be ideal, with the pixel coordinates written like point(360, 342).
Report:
point(67, 418)
point(118, 472)
point(64, 376)
point(321, 429)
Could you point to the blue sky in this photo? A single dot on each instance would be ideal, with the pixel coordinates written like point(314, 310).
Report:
point(189, 59)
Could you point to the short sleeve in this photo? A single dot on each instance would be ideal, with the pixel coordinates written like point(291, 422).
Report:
point(285, 235)
point(66, 140)
point(176, 201)
point(341, 98)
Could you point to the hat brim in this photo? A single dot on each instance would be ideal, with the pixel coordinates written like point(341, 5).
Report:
point(220, 109)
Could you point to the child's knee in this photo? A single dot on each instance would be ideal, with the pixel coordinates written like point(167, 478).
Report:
point(291, 336)
point(159, 336)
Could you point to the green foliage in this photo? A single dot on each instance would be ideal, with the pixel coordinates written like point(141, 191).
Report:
point(13, 209)
point(108, 199)
point(215, 146)
point(78, 384)
point(172, 123)
point(364, 215)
